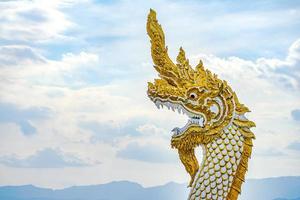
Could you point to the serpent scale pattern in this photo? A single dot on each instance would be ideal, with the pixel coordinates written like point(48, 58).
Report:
point(221, 161)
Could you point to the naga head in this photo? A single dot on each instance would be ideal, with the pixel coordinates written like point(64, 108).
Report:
point(209, 102)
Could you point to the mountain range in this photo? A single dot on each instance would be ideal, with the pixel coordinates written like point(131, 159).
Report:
point(280, 188)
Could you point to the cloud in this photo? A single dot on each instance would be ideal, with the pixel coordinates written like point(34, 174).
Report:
point(25, 65)
point(294, 146)
point(34, 15)
point(109, 131)
point(46, 158)
point(23, 116)
point(270, 152)
point(153, 130)
point(296, 114)
point(35, 21)
point(233, 29)
point(285, 72)
point(147, 153)
point(14, 55)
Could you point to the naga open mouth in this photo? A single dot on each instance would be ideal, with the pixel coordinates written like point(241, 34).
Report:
point(198, 119)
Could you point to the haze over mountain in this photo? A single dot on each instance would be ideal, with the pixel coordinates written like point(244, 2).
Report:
point(281, 188)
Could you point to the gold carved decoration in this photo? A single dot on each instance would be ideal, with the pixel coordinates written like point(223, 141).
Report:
point(216, 120)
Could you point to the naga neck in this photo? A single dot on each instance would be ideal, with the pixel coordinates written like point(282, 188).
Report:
point(224, 165)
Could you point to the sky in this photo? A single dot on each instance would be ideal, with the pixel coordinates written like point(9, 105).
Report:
point(73, 81)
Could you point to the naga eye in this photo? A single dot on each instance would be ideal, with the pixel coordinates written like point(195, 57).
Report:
point(193, 95)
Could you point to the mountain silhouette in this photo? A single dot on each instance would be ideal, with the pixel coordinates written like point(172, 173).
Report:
point(280, 188)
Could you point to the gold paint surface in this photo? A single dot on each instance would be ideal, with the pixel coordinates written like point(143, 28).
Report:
point(224, 135)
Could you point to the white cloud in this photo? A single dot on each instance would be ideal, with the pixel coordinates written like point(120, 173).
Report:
point(147, 153)
point(25, 65)
point(35, 21)
point(46, 158)
point(84, 59)
point(11, 55)
point(284, 72)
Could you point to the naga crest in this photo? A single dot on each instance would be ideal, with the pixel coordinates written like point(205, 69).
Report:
point(212, 108)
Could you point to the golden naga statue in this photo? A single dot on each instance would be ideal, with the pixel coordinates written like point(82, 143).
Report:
point(216, 121)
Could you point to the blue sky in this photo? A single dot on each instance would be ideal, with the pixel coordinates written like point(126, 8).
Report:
point(73, 77)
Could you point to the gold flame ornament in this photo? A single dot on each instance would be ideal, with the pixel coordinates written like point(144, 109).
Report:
point(216, 121)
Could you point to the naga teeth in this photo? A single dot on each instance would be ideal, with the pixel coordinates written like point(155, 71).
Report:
point(157, 104)
point(180, 109)
point(197, 120)
point(169, 105)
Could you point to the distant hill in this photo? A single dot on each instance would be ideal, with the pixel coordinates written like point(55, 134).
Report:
point(281, 188)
